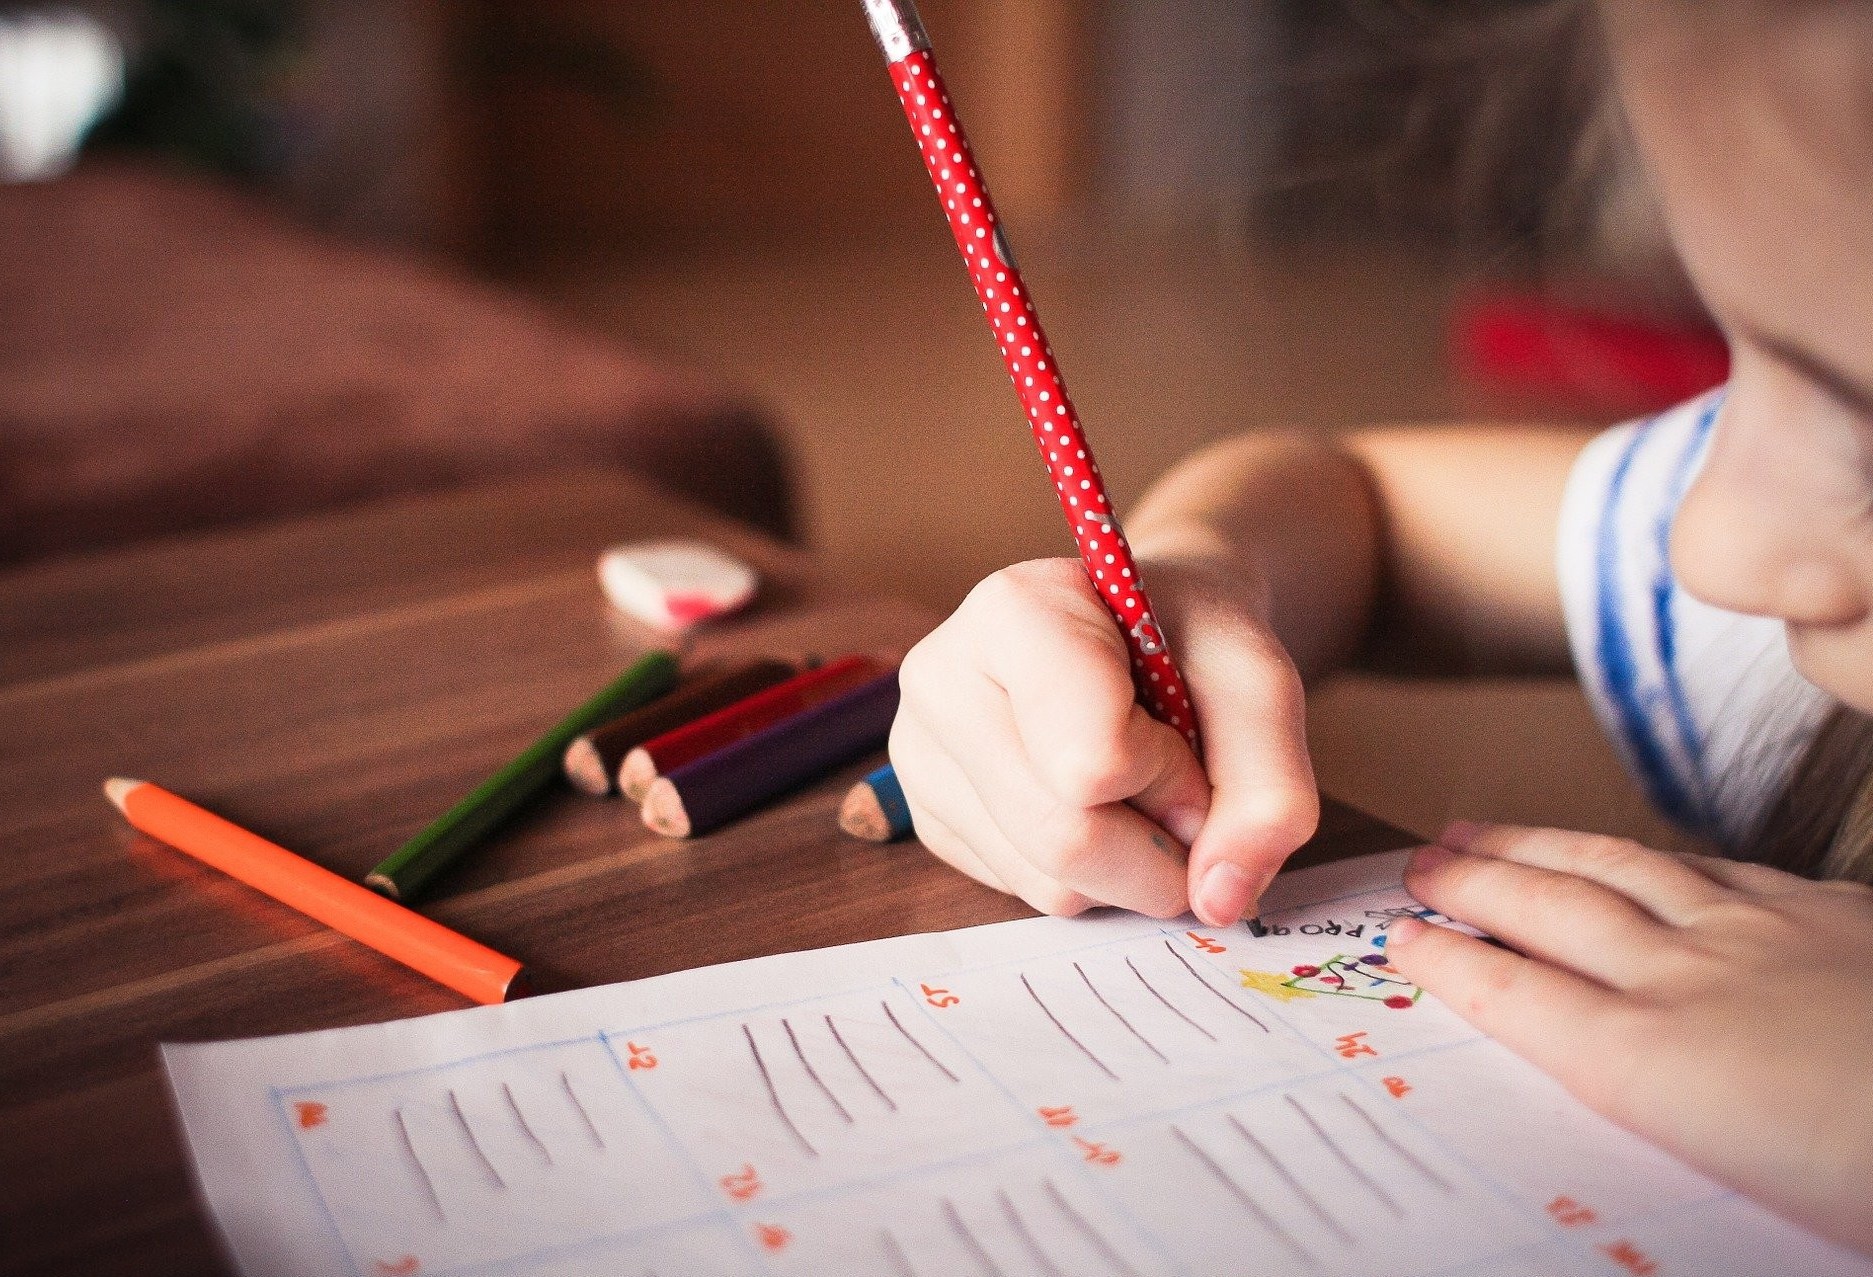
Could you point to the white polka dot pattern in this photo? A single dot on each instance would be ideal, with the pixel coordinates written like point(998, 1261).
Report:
point(1017, 328)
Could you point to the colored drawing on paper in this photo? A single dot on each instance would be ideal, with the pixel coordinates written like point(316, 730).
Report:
point(1369, 976)
point(1043, 1098)
point(1278, 985)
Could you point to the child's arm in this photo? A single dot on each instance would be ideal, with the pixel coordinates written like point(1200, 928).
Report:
point(1723, 1010)
point(1410, 545)
point(1025, 758)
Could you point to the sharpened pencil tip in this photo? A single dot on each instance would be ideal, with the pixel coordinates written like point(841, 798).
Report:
point(118, 788)
point(861, 815)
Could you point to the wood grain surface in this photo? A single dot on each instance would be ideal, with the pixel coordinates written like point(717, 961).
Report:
point(332, 683)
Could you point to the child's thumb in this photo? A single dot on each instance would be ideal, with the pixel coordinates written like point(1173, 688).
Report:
point(1263, 804)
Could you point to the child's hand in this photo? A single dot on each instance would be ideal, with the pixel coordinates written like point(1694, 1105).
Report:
point(1029, 765)
point(1723, 1010)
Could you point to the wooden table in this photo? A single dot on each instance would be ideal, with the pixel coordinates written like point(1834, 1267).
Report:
point(333, 683)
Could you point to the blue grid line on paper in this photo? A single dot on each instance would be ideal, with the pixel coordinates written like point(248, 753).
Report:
point(703, 1186)
point(529, 1256)
point(542, 1254)
point(1571, 1240)
point(802, 1198)
point(784, 1004)
point(312, 1182)
point(440, 1066)
point(1480, 1176)
point(640, 1030)
point(1075, 1164)
point(1344, 1066)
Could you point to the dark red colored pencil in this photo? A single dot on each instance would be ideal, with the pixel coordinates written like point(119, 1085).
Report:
point(739, 721)
point(713, 790)
point(591, 762)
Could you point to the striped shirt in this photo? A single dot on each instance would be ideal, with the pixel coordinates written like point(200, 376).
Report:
point(1704, 706)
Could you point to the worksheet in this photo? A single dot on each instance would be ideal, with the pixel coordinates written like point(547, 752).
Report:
point(1047, 1098)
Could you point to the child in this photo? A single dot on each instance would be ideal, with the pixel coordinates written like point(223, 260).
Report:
point(1714, 583)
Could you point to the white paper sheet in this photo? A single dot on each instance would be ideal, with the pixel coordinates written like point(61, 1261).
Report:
point(1049, 1097)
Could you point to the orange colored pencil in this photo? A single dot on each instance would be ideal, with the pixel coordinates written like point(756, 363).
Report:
point(471, 969)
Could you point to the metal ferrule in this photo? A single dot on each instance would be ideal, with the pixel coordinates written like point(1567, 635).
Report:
point(897, 28)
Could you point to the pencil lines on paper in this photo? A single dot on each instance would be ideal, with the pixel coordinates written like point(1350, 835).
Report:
point(773, 1093)
point(474, 1142)
point(1405, 1155)
point(1215, 992)
point(859, 1067)
point(912, 1039)
point(416, 1163)
point(1084, 1227)
point(971, 1243)
point(1170, 1006)
point(585, 1115)
point(1065, 1032)
point(845, 1114)
point(894, 1252)
point(1353, 1168)
point(1025, 1235)
point(1287, 1176)
point(520, 1120)
point(1119, 1016)
point(1243, 1197)
point(848, 1069)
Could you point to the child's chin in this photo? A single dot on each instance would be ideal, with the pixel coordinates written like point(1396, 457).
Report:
point(1836, 659)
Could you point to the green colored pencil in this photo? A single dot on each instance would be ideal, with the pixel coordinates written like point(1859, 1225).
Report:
point(407, 872)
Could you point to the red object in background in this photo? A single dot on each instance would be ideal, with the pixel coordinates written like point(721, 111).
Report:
point(1586, 357)
point(1016, 327)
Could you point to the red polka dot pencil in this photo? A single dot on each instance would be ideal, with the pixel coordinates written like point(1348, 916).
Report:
point(1030, 360)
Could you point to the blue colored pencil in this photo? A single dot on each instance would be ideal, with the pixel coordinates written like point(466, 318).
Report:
point(875, 809)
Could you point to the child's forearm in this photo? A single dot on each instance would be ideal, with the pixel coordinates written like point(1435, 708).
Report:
point(1287, 524)
point(1434, 547)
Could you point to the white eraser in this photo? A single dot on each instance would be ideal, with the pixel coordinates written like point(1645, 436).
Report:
point(673, 585)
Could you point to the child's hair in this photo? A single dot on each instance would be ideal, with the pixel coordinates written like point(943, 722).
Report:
point(1821, 826)
point(1543, 158)
point(1486, 119)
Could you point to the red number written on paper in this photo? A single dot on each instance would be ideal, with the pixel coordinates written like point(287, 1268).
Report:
point(1350, 1047)
point(743, 1184)
point(1569, 1213)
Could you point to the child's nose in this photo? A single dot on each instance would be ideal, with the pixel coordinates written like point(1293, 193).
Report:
point(1746, 543)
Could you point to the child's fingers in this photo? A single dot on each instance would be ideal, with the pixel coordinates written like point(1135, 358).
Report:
point(1108, 852)
point(1560, 1022)
point(1556, 917)
point(1674, 891)
point(1045, 639)
point(1252, 714)
point(1746, 876)
point(951, 822)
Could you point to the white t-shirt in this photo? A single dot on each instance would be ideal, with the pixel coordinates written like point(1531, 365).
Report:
point(1703, 705)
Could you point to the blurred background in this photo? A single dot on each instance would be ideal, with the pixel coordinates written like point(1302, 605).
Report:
point(261, 257)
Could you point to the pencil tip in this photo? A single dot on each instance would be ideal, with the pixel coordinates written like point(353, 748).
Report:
point(861, 816)
point(585, 768)
point(118, 788)
point(663, 810)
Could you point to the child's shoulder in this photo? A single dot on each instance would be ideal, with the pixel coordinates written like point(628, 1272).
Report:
point(1704, 705)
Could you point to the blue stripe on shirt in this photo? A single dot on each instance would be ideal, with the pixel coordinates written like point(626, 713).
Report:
point(1618, 665)
point(1664, 590)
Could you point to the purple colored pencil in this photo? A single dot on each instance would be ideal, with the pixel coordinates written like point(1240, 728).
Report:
point(715, 789)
